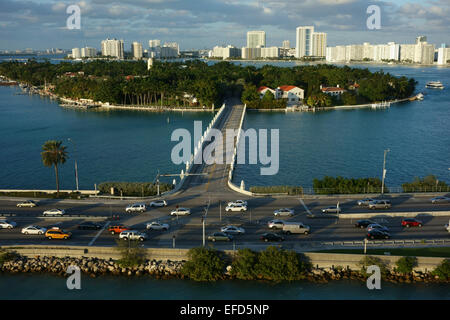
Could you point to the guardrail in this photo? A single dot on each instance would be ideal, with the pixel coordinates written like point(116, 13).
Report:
point(393, 214)
point(387, 242)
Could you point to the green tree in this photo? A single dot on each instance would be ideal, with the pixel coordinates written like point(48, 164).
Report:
point(443, 270)
point(53, 154)
point(203, 265)
point(278, 265)
point(243, 266)
point(406, 265)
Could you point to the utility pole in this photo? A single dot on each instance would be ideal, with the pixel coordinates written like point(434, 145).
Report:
point(76, 166)
point(204, 220)
point(384, 171)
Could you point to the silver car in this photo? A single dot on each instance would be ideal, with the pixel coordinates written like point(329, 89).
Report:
point(331, 210)
point(283, 212)
point(156, 225)
point(275, 224)
point(133, 235)
point(365, 202)
point(380, 204)
point(54, 212)
point(5, 224)
point(440, 200)
point(181, 212)
point(232, 230)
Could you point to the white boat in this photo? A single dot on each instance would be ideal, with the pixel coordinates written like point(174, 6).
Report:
point(434, 85)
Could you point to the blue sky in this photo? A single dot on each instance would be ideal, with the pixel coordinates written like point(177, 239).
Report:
point(41, 24)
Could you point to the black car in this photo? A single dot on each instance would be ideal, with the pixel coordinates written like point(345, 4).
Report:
point(89, 226)
point(378, 234)
point(363, 223)
point(271, 237)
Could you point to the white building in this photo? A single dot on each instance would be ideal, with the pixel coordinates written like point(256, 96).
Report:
point(332, 91)
point(168, 52)
point(136, 50)
point(88, 52)
point(256, 39)
point(443, 56)
point(286, 44)
point(319, 44)
point(250, 53)
point(76, 53)
point(294, 95)
point(304, 41)
point(226, 52)
point(174, 46)
point(154, 43)
point(113, 48)
point(271, 52)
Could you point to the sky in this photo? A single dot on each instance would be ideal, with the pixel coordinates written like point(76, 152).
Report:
point(202, 24)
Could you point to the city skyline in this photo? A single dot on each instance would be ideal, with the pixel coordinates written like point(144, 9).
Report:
point(40, 25)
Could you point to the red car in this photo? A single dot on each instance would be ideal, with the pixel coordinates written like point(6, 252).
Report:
point(411, 222)
point(115, 229)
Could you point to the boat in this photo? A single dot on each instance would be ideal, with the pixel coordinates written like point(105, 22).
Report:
point(434, 85)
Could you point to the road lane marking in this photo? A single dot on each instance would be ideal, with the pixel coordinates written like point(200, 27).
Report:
point(304, 206)
point(98, 234)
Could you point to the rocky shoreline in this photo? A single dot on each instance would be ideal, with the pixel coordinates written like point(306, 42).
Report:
point(168, 269)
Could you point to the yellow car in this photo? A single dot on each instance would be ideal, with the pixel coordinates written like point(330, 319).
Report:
point(57, 234)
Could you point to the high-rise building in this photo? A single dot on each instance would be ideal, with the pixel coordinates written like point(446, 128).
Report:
point(304, 41)
point(270, 52)
point(319, 44)
point(88, 52)
point(286, 44)
point(256, 39)
point(174, 46)
point(226, 52)
point(443, 55)
point(112, 48)
point(136, 50)
point(76, 53)
point(154, 43)
point(250, 53)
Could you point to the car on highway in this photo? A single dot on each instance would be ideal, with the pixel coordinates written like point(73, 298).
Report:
point(181, 212)
point(365, 202)
point(331, 209)
point(27, 204)
point(363, 223)
point(88, 225)
point(243, 202)
point(220, 236)
point(275, 224)
point(133, 235)
point(236, 207)
point(296, 227)
point(271, 237)
point(54, 212)
point(118, 228)
point(378, 234)
point(158, 203)
point(156, 225)
point(377, 226)
point(6, 224)
point(34, 230)
point(136, 207)
point(57, 233)
point(380, 204)
point(232, 230)
point(284, 212)
point(447, 227)
point(411, 222)
point(440, 199)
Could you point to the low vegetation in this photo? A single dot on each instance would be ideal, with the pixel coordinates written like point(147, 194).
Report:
point(203, 265)
point(428, 184)
point(62, 195)
point(6, 256)
point(131, 252)
point(370, 261)
point(443, 270)
point(406, 264)
point(340, 185)
point(134, 189)
point(291, 190)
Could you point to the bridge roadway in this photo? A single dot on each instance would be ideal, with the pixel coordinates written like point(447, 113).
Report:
point(212, 187)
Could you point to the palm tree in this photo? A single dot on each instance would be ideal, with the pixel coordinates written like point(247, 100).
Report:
point(54, 153)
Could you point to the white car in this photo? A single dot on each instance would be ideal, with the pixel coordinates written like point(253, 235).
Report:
point(33, 230)
point(447, 226)
point(232, 230)
point(242, 202)
point(275, 224)
point(27, 203)
point(156, 225)
point(331, 210)
point(132, 235)
point(181, 212)
point(283, 212)
point(236, 207)
point(365, 202)
point(440, 200)
point(158, 203)
point(137, 207)
point(54, 212)
point(5, 224)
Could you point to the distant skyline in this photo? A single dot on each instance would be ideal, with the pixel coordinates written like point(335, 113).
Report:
point(201, 24)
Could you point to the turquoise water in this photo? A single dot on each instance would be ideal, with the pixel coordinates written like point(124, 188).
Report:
point(133, 145)
point(351, 143)
point(108, 146)
point(32, 287)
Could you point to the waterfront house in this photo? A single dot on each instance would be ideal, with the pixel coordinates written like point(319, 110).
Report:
point(293, 95)
point(262, 91)
point(332, 91)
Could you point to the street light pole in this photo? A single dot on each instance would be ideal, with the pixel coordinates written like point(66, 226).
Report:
point(76, 166)
point(203, 222)
point(384, 171)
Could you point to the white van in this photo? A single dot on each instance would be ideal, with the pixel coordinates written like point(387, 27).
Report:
point(296, 227)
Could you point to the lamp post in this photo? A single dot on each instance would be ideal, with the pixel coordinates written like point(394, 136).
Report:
point(384, 171)
point(76, 166)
